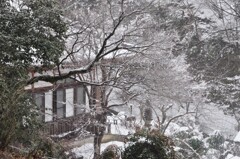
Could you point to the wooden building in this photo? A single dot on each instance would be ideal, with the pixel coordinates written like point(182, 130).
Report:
point(61, 104)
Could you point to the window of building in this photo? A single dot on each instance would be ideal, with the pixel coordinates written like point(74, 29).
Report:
point(79, 100)
point(60, 103)
point(39, 101)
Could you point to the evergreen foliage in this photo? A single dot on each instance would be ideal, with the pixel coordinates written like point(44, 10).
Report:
point(216, 140)
point(18, 116)
point(213, 55)
point(154, 146)
point(196, 144)
point(32, 32)
point(111, 152)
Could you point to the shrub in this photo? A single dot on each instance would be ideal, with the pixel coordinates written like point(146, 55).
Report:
point(196, 144)
point(144, 146)
point(111, 152)
point(216, 140)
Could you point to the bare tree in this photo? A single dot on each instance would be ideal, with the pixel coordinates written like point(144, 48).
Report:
point(167, 90)
point(103, 38)
point(110, 29)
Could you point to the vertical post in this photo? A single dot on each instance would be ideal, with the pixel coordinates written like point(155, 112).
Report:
point(109, 128)
point(32, 85)
point(131, 109)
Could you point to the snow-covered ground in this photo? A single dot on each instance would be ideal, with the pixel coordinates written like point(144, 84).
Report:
point(87, 150)
point(118, 127)
point(230, 156)
point(212, 118)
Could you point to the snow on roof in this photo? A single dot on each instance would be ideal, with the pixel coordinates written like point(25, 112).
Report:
point(38, 84)
point(237, 138)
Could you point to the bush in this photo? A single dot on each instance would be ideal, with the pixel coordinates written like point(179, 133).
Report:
point(111, 152)
point(149, 147)
point(46, 148)
point(216, 140)
point(196, 144)
point(18, 117)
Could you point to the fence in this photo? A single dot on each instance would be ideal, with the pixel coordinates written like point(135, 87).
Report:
point(61, 126)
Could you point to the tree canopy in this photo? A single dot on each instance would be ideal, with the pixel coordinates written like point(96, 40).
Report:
point(31, 32)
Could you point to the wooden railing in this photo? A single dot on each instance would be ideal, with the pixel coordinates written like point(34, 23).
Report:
point(64, 125)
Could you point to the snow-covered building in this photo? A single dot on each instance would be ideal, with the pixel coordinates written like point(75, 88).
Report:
point(60, 103)
point(64, 102)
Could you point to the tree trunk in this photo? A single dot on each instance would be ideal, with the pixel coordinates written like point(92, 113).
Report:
point(98, 134)
point(97, 146)
point(101, 118)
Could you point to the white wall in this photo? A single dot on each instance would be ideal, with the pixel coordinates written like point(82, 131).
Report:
point(48, 106)
point(69, 102)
